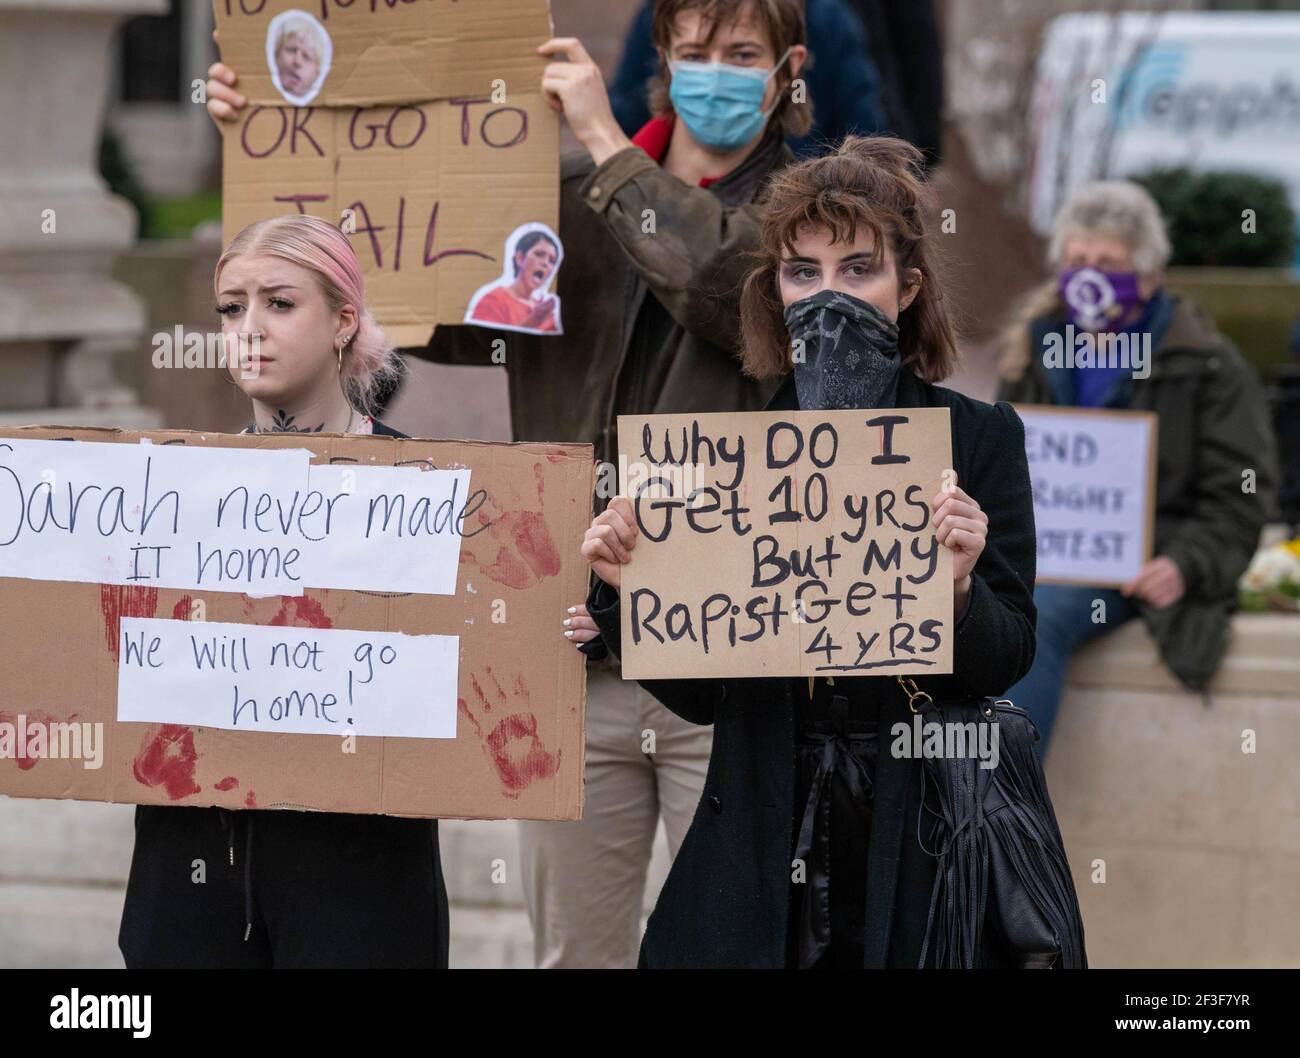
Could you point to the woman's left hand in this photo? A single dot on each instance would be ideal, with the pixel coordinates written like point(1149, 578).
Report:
point(579, 628)
point(962, 528)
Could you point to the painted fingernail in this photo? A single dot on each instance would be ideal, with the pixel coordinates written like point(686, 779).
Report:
point(566, 622)
point(573, 609)
point(568, 635)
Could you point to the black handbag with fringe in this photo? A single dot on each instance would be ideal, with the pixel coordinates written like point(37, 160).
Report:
point(1003, 894)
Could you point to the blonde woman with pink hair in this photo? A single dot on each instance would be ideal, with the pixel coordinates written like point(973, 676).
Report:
point(289, 292)
point(284, 888)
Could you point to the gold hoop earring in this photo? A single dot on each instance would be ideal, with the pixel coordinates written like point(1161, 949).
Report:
point(340, 352)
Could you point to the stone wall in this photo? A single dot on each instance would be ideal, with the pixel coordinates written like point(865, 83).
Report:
point(1200, 841)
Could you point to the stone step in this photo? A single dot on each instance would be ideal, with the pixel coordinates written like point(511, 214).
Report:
point(64, 864)
point(65, 841)
point(470, 851)
point(490, 939)
point(1261, 659)
point(89, 842)
point(56, 925)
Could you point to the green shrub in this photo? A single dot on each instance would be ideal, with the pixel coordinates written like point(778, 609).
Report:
point(176, 218)
point(115, 168)
point(1203, 211)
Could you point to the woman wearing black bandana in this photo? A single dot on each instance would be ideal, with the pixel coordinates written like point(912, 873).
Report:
point(846, 305)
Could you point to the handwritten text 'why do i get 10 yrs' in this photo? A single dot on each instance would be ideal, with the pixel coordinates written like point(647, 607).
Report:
point(846, 533)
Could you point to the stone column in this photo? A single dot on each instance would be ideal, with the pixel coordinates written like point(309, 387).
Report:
point(62, 320)
point(62, 317)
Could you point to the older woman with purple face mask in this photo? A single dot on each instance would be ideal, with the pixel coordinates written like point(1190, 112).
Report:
point(1161, 354)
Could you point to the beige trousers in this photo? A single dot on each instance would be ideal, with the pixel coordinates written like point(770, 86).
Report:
point(584, 882)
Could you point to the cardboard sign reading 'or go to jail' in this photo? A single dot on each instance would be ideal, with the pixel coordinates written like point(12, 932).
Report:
point(341, 623)
point(785, 544)
point(418, 128)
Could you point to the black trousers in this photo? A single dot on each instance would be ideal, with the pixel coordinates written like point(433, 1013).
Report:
point(216, 888)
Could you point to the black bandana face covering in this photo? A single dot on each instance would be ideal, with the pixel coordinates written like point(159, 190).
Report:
point(850, 352)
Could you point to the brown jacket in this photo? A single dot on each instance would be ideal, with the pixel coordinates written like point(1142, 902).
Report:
point(651, 318)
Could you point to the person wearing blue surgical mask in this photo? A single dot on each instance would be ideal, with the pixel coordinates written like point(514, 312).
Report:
point(727, 84)
point(729, 81)
point(721, 103)
point(843, 75)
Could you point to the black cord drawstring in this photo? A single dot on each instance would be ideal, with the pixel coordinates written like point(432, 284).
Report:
point(230, 823)
point(248, 878)
point(227, 824)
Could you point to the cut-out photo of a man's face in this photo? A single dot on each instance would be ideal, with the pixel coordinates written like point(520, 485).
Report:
point(520, 299)
point(298, 51)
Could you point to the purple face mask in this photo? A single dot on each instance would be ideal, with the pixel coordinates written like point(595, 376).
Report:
point(1098, 301)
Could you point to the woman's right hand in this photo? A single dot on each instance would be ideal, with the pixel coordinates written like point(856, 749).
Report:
point(608, 544)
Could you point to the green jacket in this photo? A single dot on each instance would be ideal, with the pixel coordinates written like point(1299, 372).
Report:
point(649, 294)
point(1213, 427)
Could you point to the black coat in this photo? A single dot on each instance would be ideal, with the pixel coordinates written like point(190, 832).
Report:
point(726, 898)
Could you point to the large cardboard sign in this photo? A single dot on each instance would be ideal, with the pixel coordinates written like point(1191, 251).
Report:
point(1093, 473)
point(342, 623)
point(785, 544)
point(420, 130)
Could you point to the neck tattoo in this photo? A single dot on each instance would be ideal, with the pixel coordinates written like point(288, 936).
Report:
point(286, 423)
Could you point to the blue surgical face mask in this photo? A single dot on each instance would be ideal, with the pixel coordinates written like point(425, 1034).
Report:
point(719, 102)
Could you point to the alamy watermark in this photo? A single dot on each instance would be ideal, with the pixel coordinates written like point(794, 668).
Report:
point(29, 740)
point(208, 349)
point(950, 739)
point(1076, 348)
point(77, 1011)
point(638, 478)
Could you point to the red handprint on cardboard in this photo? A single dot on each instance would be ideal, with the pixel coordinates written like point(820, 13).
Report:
point(512, 545)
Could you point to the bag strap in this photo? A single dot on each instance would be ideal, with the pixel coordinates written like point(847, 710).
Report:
point(917, 699)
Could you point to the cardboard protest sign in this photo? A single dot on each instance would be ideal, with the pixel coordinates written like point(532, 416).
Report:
point(785, 544)
point(419, 129)
point(384, 52)
point(341, 623)
point(1093, 473)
